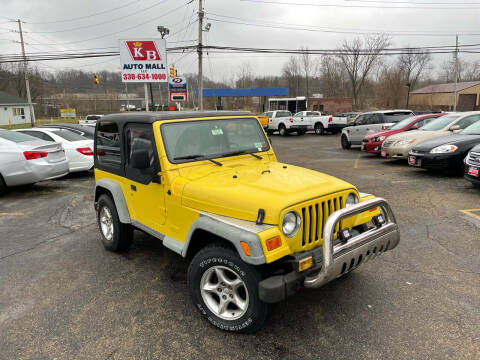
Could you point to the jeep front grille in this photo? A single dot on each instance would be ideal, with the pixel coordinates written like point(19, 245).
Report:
point(315, 215)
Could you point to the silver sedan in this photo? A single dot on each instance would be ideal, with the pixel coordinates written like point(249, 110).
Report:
point(27, 160)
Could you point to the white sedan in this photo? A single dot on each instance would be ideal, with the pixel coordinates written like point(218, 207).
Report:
point(78, 149)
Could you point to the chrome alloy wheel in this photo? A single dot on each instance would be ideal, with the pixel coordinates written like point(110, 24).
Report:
point(106, 223)
point(224, 293)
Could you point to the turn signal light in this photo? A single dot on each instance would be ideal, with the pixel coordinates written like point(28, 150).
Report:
point(246, 248)
point(32, 155)
point(305, 264)
point(274, 243)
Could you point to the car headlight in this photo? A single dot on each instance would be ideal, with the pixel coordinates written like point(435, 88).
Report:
point(378, 138)
point(352, 199)
point(291, 223)
point(443, 149)
point(405, 142)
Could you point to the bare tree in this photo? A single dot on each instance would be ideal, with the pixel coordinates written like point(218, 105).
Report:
point(359, 57)
point(291, 72)
point(333, 77)
point(412, 65)
point(307, 65)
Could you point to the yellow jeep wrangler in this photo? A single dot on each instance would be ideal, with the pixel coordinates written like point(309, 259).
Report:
point(209, 186)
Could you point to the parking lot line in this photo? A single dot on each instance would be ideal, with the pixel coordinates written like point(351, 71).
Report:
point(471, 212)
point(11, 214)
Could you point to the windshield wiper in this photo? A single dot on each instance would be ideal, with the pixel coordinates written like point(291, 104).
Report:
point(241, 152)
point(197, 156)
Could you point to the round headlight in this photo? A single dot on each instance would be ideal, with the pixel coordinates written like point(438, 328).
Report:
point(291, 223)
point(352, 199)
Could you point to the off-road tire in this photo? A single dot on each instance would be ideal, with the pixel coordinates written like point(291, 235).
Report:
point(345, 143)
point(122, 233)
point(216, 255)
point(319, 129)
point(282, 130)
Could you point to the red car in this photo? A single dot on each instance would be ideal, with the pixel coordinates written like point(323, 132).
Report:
point(372, 143)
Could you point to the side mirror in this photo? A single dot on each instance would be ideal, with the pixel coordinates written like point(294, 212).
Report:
point(140, 159)
point(454, 128)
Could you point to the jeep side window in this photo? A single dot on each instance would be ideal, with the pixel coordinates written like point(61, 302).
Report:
point(108, 145)
point(140, 141)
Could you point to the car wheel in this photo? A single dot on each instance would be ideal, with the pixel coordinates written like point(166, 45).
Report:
point(301, 132)
point(282, 130)
point(345, 143)
point(115, 235)
point(319, 129)
point(225, 290)
point(3, 186)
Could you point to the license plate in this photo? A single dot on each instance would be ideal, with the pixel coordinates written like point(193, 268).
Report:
point(412, 160)
point(383, 153)
point(473, 171)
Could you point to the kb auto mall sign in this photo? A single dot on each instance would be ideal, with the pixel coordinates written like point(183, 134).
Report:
point(143, 60)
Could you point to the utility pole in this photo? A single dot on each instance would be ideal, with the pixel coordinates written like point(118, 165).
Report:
point(199, 50)
point(456, 76)
point(27, 83)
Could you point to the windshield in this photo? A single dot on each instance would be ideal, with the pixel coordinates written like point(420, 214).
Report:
point(395, 117)
point(16, 137)
point(473, 129)
point(440, 123)
point(403, 123)
point(207, 139)
point(68, 135)
point(283, 114)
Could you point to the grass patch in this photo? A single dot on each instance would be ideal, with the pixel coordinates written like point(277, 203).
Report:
point(42, 121)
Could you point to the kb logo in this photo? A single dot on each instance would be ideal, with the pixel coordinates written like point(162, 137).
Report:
point(177, 80)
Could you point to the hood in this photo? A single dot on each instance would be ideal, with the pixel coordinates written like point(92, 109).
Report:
point(476, 148)
point(455, 139)
point(241, 190)
point(418, 135)
point(385, 133)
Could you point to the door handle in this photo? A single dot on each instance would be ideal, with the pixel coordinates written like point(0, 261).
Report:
point(133, 187)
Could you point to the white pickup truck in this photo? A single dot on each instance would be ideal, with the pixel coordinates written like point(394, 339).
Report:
point(321, 123)
point(89, 120)
point(283, 122)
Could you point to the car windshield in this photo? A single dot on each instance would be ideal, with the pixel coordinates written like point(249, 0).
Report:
point(283, 114)
point(440, 123)
point(403, 123)
point(208, 139)
point(16, 136)
point(473, 129)
point(68, 135)
point(395, 117)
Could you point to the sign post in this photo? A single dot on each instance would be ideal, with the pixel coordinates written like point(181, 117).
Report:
point(144, 61)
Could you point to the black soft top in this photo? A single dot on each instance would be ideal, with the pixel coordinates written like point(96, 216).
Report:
point(151, 117)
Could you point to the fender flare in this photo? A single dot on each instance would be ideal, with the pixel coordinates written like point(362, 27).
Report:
point(118, 198)
point(233, 231)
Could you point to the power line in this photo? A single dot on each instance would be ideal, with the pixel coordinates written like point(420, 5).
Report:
point(125, 29)
point(284, 25)
point(87, 16)
point(363, 6)
point(99, 23)
point(326, 30)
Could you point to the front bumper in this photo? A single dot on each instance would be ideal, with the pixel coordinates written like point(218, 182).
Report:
point(371, 147)
point(433, 161)
point(396, 152)
point(334, 258)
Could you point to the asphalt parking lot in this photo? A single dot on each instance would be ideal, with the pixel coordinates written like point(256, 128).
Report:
point(64, 297)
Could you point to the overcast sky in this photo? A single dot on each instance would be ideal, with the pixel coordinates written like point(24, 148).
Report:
point(54, 25)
